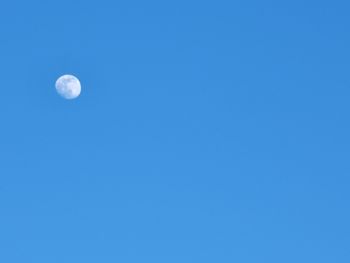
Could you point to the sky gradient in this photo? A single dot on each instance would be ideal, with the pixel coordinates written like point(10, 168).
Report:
point(206, 131)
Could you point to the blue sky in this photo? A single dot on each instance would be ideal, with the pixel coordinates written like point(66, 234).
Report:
point(206, 131)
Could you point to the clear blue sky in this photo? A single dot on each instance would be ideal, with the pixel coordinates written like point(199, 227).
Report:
point(206, 131)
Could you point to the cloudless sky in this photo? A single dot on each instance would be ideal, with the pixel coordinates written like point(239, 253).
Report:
point(206, 131)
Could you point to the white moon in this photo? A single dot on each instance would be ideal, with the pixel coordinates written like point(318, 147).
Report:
point(68, 87)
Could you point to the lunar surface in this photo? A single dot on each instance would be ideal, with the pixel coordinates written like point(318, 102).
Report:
point(68, 87)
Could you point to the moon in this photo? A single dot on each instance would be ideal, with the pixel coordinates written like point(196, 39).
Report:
point(68, 86)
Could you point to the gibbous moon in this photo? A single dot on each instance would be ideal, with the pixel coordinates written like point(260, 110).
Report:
point(68, 86)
